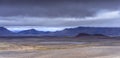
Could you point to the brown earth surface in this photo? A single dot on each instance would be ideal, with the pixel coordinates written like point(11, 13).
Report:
point(84, 47)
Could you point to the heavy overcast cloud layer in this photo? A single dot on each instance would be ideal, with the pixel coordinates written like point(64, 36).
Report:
point(60, 13)
point(55, 8)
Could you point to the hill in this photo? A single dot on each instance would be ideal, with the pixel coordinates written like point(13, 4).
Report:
point(66, 32)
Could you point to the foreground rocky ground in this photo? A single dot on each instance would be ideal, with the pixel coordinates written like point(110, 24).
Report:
point(86, 52)
point(60, 48)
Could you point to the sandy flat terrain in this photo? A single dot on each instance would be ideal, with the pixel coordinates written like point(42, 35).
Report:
point(84, 52)
point(60, 48)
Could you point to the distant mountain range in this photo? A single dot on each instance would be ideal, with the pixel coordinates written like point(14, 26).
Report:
point(90, 30)
point(66, 32)
point(4, 31)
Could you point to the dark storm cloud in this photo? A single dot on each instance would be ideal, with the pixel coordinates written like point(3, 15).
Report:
point(55, 8)
point(59, 13)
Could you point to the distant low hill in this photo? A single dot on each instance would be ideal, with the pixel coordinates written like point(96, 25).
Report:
point(85, 34)
point(33, 32)
point(4, 31)
point(89, 30)
point(65, 32)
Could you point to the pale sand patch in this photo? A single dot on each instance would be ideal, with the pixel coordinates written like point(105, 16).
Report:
point(86, 52)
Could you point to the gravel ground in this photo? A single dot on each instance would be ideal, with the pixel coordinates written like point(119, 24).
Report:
point(84, 52)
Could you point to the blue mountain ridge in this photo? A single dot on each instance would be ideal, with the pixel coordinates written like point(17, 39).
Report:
point(66, 32)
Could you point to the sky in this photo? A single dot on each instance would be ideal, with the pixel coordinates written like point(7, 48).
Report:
point(54, 15)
